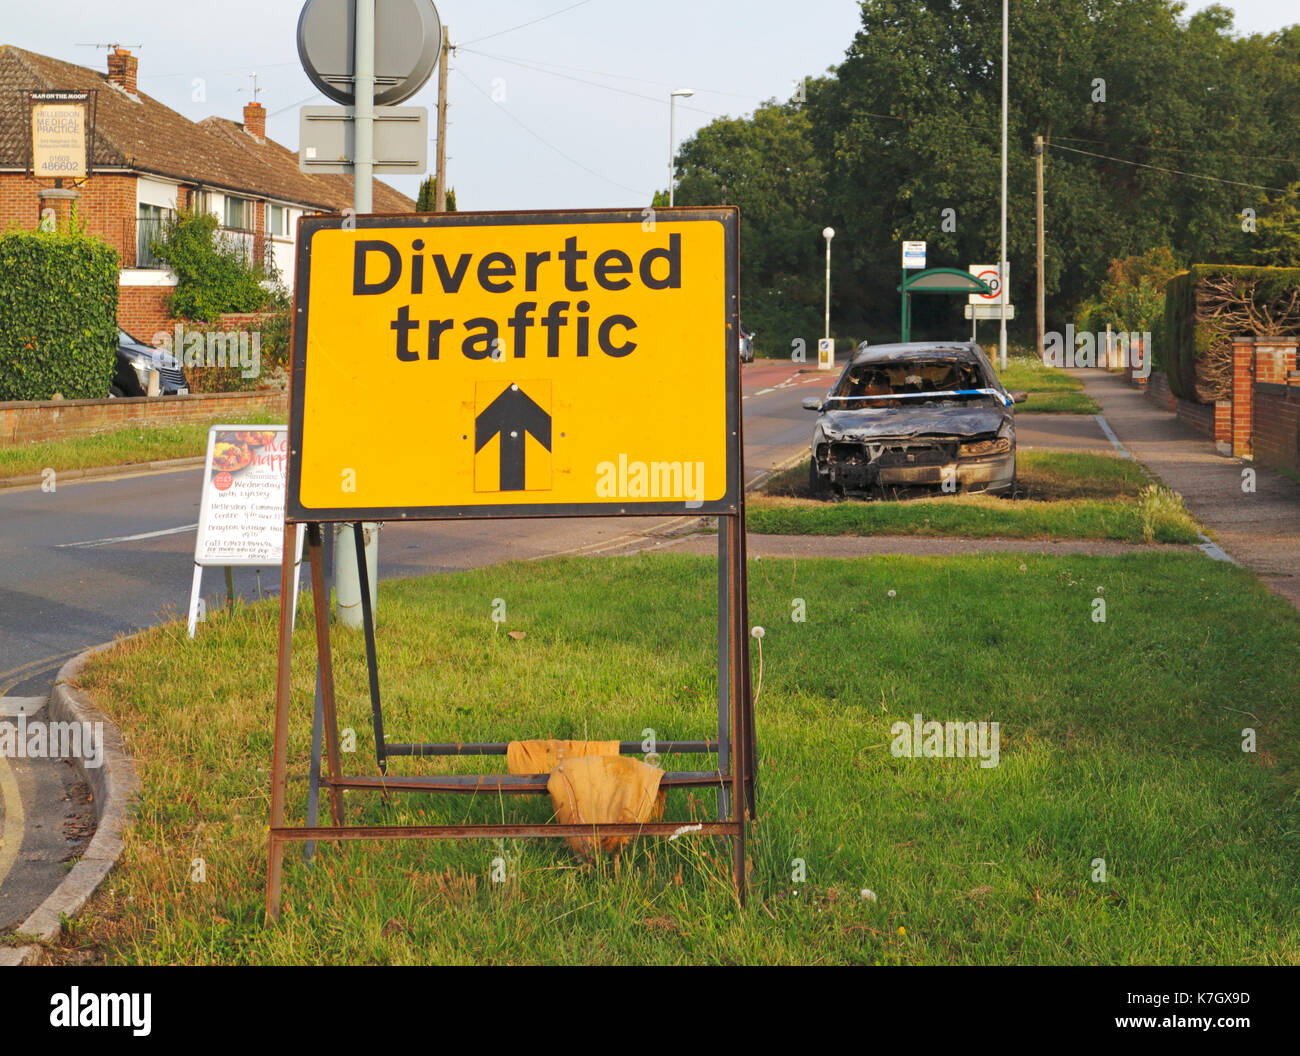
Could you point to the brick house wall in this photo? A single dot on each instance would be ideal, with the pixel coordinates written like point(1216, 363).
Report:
point(142, 310)
point(105, 203)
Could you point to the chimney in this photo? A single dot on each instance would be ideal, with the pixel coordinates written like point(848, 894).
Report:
point(122, 66)
point(255, 120)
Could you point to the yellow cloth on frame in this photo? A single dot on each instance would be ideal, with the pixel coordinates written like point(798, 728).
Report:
point(601, 789)
point(541, 757)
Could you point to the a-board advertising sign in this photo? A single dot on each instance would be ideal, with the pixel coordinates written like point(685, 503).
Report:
point(480, 364)
point(60, 121)
point(241, 512)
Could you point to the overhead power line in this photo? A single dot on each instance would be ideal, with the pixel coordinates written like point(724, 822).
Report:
point(641, 194)
point(1193, 153)
point(1161, 168)
point(594, 84)
point(525, 25)
point(616, 76)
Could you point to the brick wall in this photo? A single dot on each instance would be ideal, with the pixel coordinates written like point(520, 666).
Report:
point(1159, 393)
point(23, 423)
point(1200, 416)
point(106, 206)
point(1255, 361)
point(142, 311)
point(1276, 436)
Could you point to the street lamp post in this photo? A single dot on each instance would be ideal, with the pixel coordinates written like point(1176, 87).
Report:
point(683, 93)
point(828, 233)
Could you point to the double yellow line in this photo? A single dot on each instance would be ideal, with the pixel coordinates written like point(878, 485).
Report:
point(21, 673)
point(11, 834)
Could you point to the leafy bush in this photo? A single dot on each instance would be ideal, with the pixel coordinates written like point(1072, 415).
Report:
point(1132, 297)
point(212, 276)
point(58, 315)
point(214, 373)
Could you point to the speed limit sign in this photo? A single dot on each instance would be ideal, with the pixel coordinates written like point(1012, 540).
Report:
point(988, 273)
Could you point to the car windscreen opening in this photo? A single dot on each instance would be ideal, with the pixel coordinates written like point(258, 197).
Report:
point(871, 384)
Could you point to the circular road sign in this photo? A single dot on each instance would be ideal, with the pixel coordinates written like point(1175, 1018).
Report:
point(408, 43)
point(990, 276)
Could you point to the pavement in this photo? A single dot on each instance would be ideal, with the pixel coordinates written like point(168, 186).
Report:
point(1259, 529)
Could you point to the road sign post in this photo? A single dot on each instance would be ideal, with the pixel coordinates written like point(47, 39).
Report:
point(396, 46)
point(515, 364)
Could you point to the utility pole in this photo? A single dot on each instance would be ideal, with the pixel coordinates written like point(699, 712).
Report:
point(1038, 216)
point(1002, 259)
point(440, 177)
point(347, 580)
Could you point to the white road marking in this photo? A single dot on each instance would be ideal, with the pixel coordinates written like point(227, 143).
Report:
point(1110, 435)
point(129, 538)
point(1214, 550)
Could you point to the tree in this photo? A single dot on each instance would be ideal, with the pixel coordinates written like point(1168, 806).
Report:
point(902, 141)
point(424, 202)
point(767, 164)
point(1279, 231)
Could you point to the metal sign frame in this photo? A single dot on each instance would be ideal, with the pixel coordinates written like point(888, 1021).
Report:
point(735, 745)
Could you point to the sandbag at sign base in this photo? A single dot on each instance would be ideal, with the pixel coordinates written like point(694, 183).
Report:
point(541, 757)
point(603, 789)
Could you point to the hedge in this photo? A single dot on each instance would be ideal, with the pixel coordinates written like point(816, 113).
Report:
point(58, 316)
point(1209, 304)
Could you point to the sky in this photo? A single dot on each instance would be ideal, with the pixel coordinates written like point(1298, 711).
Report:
point(553, 104)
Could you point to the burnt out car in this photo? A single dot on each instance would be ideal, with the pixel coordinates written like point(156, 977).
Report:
point(913, 419)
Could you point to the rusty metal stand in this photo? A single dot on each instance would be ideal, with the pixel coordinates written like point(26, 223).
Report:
point(734, 745)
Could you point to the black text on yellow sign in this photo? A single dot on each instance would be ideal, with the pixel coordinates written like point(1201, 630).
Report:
point(478, 363)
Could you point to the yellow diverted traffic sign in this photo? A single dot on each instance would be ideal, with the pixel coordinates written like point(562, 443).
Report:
point(478, 364)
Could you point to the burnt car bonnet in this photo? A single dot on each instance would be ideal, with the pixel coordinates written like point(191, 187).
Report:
point(913, 421)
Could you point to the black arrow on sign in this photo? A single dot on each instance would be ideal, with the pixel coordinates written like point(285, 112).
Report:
point(512, 414)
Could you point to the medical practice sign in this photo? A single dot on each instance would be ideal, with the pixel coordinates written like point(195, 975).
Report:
point(479, 364)
point(59, 133)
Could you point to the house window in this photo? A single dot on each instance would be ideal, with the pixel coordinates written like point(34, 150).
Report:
point(239, 214)
point(277, 221)
point(148, 230)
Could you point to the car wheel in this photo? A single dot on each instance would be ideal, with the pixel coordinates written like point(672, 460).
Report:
point(115, 392)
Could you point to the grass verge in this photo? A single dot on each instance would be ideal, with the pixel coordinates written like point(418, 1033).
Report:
point(119, 447)
point(1051, 390)
point(1067, 495)
point(1120, 741)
